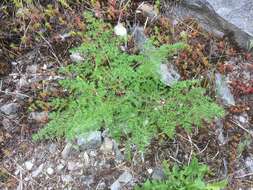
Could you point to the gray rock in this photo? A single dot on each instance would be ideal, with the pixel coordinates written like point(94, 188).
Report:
point(119, 157)
point(38, 171)
point(91, 140)
point(67, 150)
point(239, 13)
point(249, 163)
point(168, 73)
point(211, 21)
point(11, 108)
point(107, 146)
point(115, 186)
point(139, 37)
point(222, 90)
point(125, 178)
point(76, 57)
point(66, 178)
point(158, 174)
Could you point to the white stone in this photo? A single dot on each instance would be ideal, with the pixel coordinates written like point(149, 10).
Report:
point(120, 30)
point(29, 165)
point(50, 171)
point(76, 57)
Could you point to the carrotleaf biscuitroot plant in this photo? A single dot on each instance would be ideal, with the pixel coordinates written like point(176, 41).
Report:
point(123, 93)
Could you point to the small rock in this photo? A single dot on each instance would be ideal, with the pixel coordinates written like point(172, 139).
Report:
point(93, 153)
point(158, 174)
point(150, 170)
point(60, 167)
point(169, 75)
point(86, 159)
point(76, 57)
point(120, 30)
point(249, 163)
point(37, 172)
point(29, 165)
point(39, 117)
point(125, 177)
point(223, 91)
point(66, 151)
point(66, 178)
point(118, 155)
point(140, 38)
point(107, 146)
point(52, 148)
point(91, 140)
point(88, 180)
point(23, 82)
point(10, 108)
point(74, 165)
point(50, 171)
point(115, 186)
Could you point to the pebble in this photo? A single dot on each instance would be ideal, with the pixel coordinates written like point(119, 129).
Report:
point(74, 165)
point(66, 178)
point(60, 167)
point(90, 140)
point(37, 172)
point(86, 159)
point(29, 165)
point(67, 150)
point(10, 108)
point(76, 57)
point(125, 177)
point(50, 171)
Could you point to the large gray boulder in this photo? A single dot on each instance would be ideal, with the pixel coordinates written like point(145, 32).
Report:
point(215, 19)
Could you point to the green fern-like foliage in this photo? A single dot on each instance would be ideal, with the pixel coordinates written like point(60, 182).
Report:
point(186, 178)
point(123, 93)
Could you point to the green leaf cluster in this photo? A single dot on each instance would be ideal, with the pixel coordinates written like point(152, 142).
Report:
point(123, 93)
point(189, 177)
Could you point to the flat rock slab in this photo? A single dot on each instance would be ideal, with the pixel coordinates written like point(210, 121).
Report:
point(214, 19)
point(239, 13)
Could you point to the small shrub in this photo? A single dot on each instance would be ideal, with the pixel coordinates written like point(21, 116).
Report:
point(186, 178)
point(123, 93)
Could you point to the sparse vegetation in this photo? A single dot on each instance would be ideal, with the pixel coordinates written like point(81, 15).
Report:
point(186, 178)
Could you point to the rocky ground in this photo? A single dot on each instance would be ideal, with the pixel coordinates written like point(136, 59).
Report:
point(29, 79)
